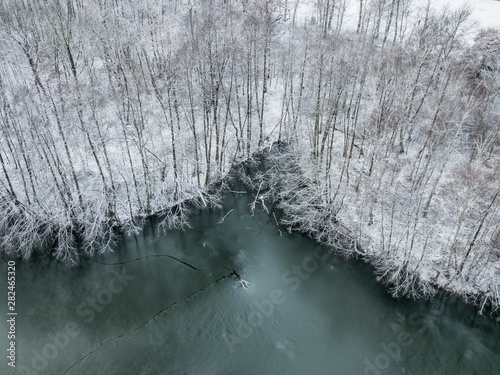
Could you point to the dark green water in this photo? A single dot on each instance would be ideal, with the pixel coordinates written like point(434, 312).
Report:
point(306, 311)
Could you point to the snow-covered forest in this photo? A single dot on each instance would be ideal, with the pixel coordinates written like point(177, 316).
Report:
point(389, 109)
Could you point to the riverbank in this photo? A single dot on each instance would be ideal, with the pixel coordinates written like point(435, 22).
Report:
point(286, 187)
point(306, 311)
point(391, 124)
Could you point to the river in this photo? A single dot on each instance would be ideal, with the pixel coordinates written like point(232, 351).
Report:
point(166, 303)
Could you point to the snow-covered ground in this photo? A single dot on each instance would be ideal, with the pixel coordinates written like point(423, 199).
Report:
point(414, 248)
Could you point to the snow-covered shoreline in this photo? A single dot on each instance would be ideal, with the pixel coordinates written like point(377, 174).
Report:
point(114, 113)
point(296, 197)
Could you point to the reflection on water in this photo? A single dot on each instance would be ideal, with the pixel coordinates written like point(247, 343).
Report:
point(171, 304)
